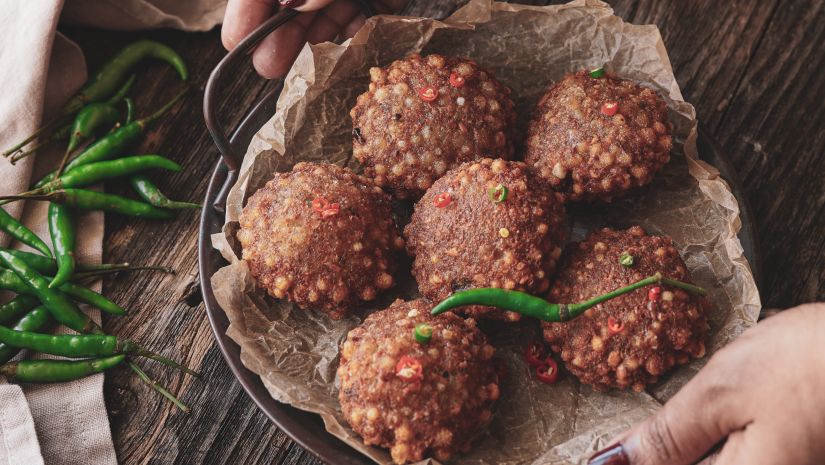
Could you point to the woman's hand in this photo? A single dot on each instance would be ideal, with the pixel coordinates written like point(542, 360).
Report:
point(765, 393)
point(322, 20)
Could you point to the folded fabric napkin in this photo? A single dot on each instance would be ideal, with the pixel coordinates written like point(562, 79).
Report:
point(41, 69)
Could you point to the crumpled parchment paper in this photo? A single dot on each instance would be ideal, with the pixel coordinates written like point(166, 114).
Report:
point(528, 48)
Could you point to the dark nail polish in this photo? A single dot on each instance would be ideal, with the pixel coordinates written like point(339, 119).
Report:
point(613, 455)
point(291, 3)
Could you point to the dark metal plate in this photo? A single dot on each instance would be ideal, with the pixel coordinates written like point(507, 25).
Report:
point(305, 428)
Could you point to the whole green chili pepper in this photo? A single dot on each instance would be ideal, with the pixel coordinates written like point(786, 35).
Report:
point(92, 173)
point(92, 200)
point(93, 116)
point(115, 143)
point(81, 346)
point(88, 296)
point(16, 307)
point(11, 281)
point(65, 131)
point(57, 371)
point(537, 307)
point(149, 192)
point(87, 120)
point(106, 80)
point(48, 266)
point(15, 229)
point(36, 320)
point(61, 229)
point(62, 309)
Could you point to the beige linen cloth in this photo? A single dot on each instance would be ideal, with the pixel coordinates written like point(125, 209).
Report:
point(39, 70)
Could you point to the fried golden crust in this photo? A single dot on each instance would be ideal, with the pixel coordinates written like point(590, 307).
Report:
point(477, 242)
point(649, 337)
point(591, 156)
point(405, 142)
point(327, 262)
point(438, 415)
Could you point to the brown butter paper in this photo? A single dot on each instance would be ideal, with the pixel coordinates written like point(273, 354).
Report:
point(528, 48)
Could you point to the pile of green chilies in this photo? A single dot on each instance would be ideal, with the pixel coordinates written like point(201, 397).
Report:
point(46, 282)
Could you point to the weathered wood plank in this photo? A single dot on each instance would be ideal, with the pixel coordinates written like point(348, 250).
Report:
point(749, 67)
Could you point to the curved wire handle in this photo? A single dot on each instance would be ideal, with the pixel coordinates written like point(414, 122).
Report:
point(230, 158)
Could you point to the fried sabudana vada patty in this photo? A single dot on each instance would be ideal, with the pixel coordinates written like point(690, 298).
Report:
point(415, 398)
point(487, 223)
point(425, 115)
point(594, 139)
point(632, 340)
point(322, 237)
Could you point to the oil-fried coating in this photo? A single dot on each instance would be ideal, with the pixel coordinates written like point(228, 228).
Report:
point(632, 340)
point(437, 411)
point(475, 241)
point(425, 115)
point(592, 151)
point(320, 236)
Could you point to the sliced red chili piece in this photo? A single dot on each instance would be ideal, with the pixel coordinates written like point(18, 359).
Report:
point(610, 108)
point(409, 369)
point(548, 372)
point(331, 210)
point(428, 94)
point(456, 80)
point(535, 354)
point(320, 204)
point(614, 326)
point(654, 293)
point(442, 200)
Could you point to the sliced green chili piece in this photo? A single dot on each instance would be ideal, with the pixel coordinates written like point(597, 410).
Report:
point(597, 73)
point(57, 371)
point(626, 260)
point(498, 194)
point(537, 307)
point(423, 333)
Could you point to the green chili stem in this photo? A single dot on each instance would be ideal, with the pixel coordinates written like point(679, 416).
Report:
point(118, 267)
point(157, 387)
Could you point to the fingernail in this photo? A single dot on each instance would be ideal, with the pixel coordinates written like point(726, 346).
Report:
point(613, 455)
point(291, 3)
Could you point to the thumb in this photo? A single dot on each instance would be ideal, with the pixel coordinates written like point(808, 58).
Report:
point(688, 426)
point(304, 5)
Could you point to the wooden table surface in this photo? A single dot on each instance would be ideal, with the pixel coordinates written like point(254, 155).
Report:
point(752, 68)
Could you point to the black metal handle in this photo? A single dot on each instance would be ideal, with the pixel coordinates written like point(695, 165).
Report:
point(231, 159)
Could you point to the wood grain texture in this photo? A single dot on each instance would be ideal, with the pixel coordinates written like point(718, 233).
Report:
point(750, 67)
